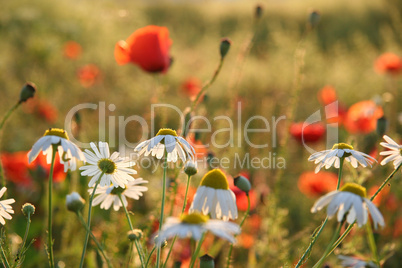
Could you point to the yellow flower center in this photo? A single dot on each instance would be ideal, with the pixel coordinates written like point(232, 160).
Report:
point(193, 218)
point(215, 179)
point(56, 132)
point(342, 146)
point(107, 166)
point(166, 131)
point(354, 188)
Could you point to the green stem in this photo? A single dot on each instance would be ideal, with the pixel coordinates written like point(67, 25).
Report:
point(79, 215)
point(182, 211)
point(89, 221)
point(197, 251)
point(158, 254)
point(149, 257)
point(241, 224)
point(3, 257)
point(333, 239)
point(314, 237)
point(132, 229)
point(50, 240)
point(207, 85)
point(372, 244)
point(3, 121)
point(347, 231)
point(25, 235)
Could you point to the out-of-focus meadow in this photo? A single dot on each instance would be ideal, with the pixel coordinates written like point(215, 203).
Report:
point(276, 66)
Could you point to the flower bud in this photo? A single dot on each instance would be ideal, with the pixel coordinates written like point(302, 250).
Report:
point(75, 202)
point(207, 261)
point(258, 11)
point(242, 183)
point(314, 18)
point(225, 46)
point(27, 92)
point(28, 209)
point(382, 126)
point(135, 234)
point(190, 168)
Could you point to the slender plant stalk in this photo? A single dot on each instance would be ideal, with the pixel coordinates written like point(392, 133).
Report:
point(49, 235)
point(89, 221)
point(25, 235)
point(3, 121)
point(333, 239)
point(79, 215)
point(372, 244)
point(182, 211)
point(347, 231)
point(241, 224)
point(197, 251)
point(306, 254)
point(149, 257)
point(158, 254)
point(3, 257)
point(132, 229)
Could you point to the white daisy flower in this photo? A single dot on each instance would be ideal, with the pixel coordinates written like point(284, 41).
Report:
point(116, 170)
point(214, 197)
point(350, 202)
point(166, 139)
point(108, 195)
point(5, 208)
point(332, 157)
point(353, 262)
point(68, 151)
point(394, 154)
point(193, 225)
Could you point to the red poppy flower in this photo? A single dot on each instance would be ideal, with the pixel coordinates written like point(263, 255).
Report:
point(327, 95)
point(147, 47)
point(388, 63)
point(308, 133)
point(43, 109)
point(191, 87)
point(200, 149)
point(16, 167)
point(72, 50)
point(314, 185)
point(88, 75)
point(362, 117)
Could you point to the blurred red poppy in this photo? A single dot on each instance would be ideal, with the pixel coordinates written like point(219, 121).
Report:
point(191, 87)
point(334, 112)
point(147, 47)
point(43, 109)
point(18, 170)
point(72, 50)
point(388, 63)
point(362, 117)
point(309, 133)
point(88, 75)
point(327, 95)
point(200, 149)
point(16, 167)
point(315, 185)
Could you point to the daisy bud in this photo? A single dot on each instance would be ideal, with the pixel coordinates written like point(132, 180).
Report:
point(28, 209)
point(314, 18)
point(258, 11)
point(135, 234)
point(382, 126)
point(75, 202)
point(207, 261)
point(225, 46)
point(242, 183)
point(190, 168)
point(27, 92)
